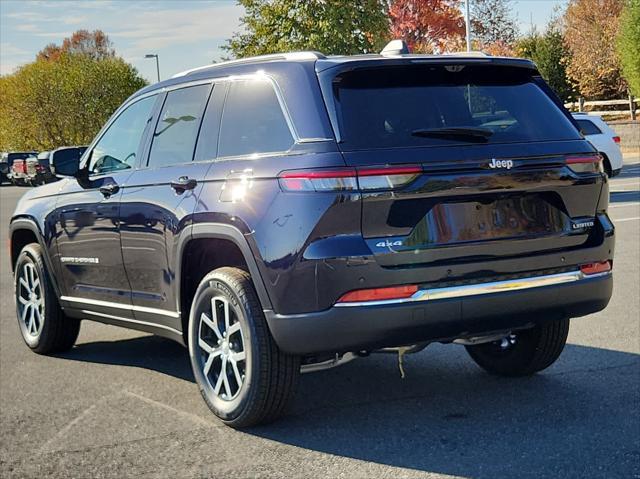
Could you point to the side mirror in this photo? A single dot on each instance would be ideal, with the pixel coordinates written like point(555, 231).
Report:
point(66, 163)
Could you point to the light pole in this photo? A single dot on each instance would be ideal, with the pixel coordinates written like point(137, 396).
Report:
point(467, 22)
point(153, 55)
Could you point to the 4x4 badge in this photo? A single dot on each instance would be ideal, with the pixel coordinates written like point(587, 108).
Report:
point(508, 164)
point(388, 244)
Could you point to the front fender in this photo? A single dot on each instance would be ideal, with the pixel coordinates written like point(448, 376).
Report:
point(29, 224)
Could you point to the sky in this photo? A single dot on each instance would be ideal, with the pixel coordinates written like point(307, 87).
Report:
point(185, 34)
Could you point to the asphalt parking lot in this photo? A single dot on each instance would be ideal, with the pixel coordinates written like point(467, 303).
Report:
point(124, 404)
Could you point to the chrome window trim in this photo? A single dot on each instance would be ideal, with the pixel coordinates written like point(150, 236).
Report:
point(482, 288)
point(129, 307)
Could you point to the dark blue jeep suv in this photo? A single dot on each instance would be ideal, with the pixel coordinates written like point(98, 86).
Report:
point(294, 211)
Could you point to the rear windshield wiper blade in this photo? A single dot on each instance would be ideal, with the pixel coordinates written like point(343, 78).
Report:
point(471, 134)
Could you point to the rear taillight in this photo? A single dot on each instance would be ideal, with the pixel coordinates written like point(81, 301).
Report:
point(387, 178)
point(379, 294)
point(595, 268)
point(616, 139)
point(341, 179)
point(19, 166)
point(337, 179)
point(585, 164)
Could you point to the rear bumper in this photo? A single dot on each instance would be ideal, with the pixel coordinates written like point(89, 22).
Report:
point(439, 315)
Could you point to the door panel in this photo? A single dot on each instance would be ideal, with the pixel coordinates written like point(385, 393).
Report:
point(88, 241)
point(152, 216)
point(88, 216)
point(157, 204)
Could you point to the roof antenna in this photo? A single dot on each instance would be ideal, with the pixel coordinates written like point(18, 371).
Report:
point(396, 47)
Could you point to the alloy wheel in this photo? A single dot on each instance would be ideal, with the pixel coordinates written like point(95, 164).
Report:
point(30, 300)
point(221, 349)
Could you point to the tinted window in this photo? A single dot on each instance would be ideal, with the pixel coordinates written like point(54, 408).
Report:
point(253, 121)
point(117, 148)
point(175, 136)
point(588, 128)
point(207, 147)
point(402, 106)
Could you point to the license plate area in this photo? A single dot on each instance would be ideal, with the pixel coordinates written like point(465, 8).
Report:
point(452, 223)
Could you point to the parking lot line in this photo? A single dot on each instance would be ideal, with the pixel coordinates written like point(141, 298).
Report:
point(622, 205)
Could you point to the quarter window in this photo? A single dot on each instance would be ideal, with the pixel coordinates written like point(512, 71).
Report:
point(117, 148)
point(588, 128)
point(253, 121)
point(174, 139)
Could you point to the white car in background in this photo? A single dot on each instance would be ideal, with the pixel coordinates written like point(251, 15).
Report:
point(604, 139)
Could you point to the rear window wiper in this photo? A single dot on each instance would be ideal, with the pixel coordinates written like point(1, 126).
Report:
point(470, 134)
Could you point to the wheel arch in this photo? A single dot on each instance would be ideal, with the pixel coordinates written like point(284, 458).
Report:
point(23, 231)
point(216, 232)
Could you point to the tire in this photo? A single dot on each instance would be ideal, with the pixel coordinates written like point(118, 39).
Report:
point(43, 324)
point(228, 331)
point(525, 352)
point(607, 165)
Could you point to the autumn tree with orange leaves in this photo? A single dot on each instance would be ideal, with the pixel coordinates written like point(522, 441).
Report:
point(95, 44)
point(591, 27)
point(428, 26)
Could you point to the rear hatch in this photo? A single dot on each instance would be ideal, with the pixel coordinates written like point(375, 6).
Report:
point(462, 162)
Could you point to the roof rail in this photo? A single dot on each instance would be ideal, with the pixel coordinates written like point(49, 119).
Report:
point(307, 55)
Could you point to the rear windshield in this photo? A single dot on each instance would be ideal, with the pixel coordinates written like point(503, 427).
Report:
point(437, 105)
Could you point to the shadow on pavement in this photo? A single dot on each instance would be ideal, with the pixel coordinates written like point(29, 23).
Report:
point(447, 416)
point(148, 352)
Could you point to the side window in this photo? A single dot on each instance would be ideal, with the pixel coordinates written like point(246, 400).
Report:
point(117, 148)
point(588, 128)
point(253, 121)
point(174, 139)
point(207, 147)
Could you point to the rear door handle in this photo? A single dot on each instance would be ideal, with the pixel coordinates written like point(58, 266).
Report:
point(110, 189)
point(183, 183)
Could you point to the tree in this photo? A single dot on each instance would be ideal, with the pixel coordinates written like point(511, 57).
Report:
point(430, 26)
point(549, 53)
point(95, 44)
point(62, 100)
point(493, 26)
point(629, 44)
point(594, 65)
point(329, 26)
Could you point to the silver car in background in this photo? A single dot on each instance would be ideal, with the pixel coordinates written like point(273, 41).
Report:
point(604, 139)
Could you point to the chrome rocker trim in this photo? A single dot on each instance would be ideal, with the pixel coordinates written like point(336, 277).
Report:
point(129, 307)
point(482, 288)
